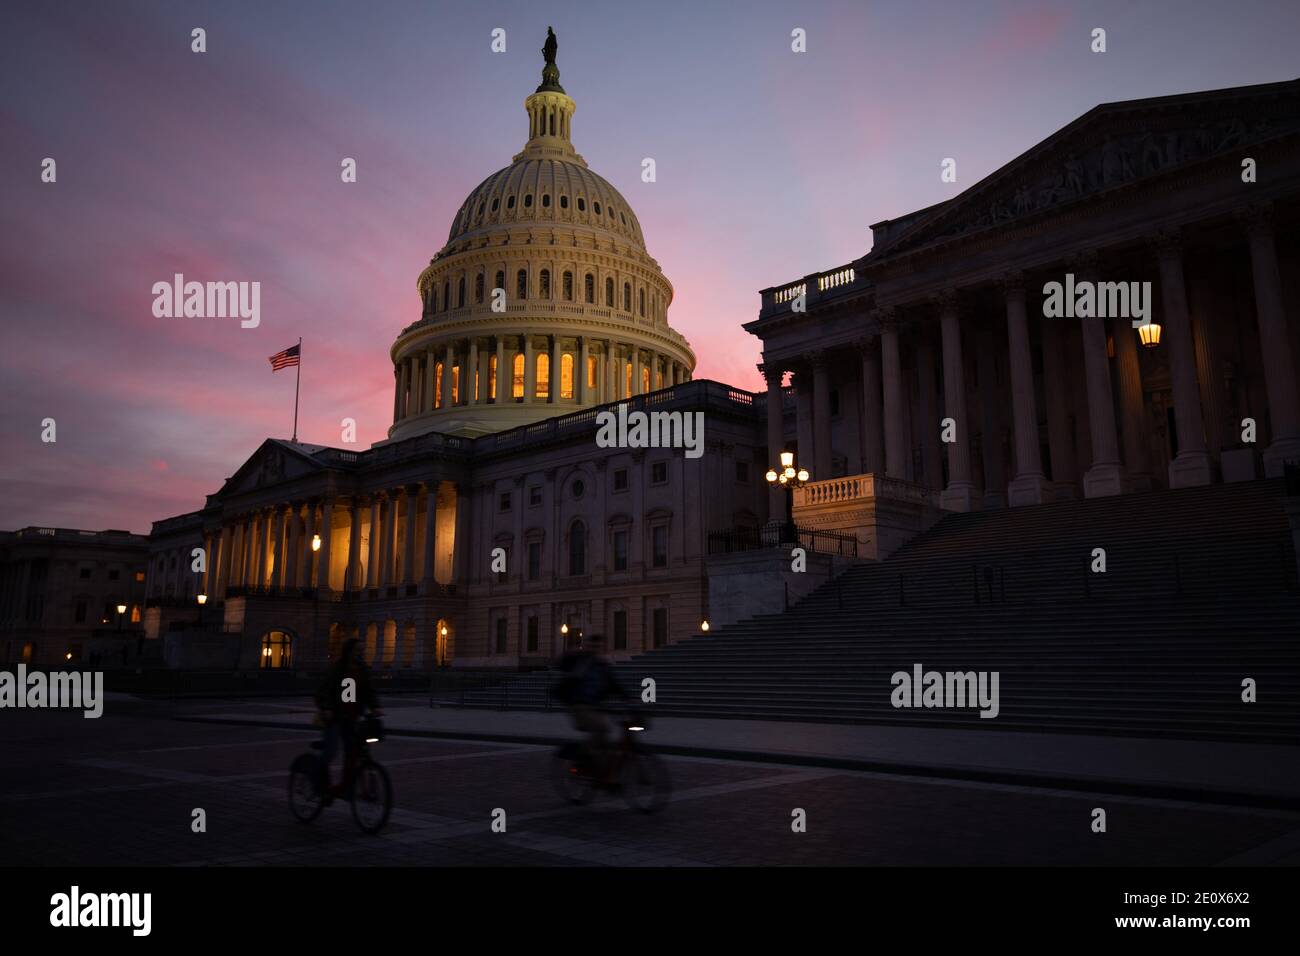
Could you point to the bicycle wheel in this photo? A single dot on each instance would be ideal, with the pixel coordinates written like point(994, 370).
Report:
point(646, 786)
point(572, 781)
point(372, 797)
point(305, 799)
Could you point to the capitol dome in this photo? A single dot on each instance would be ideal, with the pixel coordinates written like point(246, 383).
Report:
point(543, 300)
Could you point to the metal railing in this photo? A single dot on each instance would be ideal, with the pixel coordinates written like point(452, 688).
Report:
point(497, 690)
point(730, 540)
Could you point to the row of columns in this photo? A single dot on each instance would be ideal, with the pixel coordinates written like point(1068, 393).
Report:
point(887, 429)
point(272, 547)
point(416, 373)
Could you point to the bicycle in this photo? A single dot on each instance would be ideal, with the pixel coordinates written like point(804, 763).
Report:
point(632, 770)
point(366, 783)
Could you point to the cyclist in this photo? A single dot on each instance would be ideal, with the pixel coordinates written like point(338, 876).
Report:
point(341, 705)
point(588, 683)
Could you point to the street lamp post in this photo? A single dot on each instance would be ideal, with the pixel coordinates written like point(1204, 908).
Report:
point(202, 599)
point(789, 477)
point(121, 610)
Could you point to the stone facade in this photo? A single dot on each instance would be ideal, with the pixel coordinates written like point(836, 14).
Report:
point(944, 319)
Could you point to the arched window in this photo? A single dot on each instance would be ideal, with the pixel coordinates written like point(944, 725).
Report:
point(578, 548)
point(628, 367)
point(546, 200)
point(528, 201)
point(596, 207)
point(609, 293)
point(492, 377)
point(446, 296)
point(591, 371)
point(640, 297)
point(501, 281)
point(496, 203)
point(627, 297)
point(510, 202)
point(545, 284)
point(455, 384)
point(552, 124)
point(517, 376)
point(646, 385)
point(566, 375)
point(437, 385)
point(568, 286)
point(589, 288)
point(564, 202)
point(478, 288)
point(582, 204)
point(277, 650)
point(543, 364)
point(521, 284)
point(460, 293)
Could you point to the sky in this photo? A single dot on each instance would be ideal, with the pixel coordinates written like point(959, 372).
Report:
point(225, 166)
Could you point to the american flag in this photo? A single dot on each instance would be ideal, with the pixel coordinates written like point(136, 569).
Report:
point(286, 359)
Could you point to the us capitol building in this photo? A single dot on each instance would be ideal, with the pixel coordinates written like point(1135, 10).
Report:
point(544, 305)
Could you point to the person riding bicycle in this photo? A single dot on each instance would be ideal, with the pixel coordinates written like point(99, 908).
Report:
point(589, 682)
point(344, 696)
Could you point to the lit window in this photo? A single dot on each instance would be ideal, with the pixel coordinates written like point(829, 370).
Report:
point(437, 387)
point(492, 377)
point(543, 375)
point(566, 375)
point(628, 366)
point(591, 371)
point(517, 385)
point(455, 384)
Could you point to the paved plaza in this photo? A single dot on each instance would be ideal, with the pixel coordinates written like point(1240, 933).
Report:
point(121, 790)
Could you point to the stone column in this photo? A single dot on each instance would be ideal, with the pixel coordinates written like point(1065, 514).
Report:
point(1279, 370)
point(227, 551)
point(896, 438)
point(448, 362)
point(932, 476)
point(292, 534)
point(408, 559)
point(505, 376)
point(262, 546)
point(352, 579)
point(580, 388)
point(1106, 476)
point(326, 534)
point(775, 438)
point(873, 431)
point(960, 493)
point(208, 560)
point(376, 509)
point(821, 457)
point(403, 383)
point(636, 370)
point(397, 393)
point(1056, 386)
point(1132, 404)
point(461, 544)
point(530, 370)
point(430, 378)
point(305, 577)
point(1029, 485)
point(612, 390)
point(1209, 368)
point(470, 387)
point(430, 536)
point(555, 370)
point(1191, 467)
point(277, 546)
point(388, 546)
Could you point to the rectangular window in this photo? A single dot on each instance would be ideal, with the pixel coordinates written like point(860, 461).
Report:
point(591, 371)
point(534, 560)
point(620, 550)
point(517, 378)
point(505, 501)
point(532, 634)
point(620, 480)
point(658, 472)
point(660, 626)
point(742, 471)
point(455, 384)
point(659, 542)
point(501, 635)
point(620, 630)
point(535, 495)
point(492, 377)
point(80, 615)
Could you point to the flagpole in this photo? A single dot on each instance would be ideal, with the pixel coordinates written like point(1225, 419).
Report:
point(296, 382)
